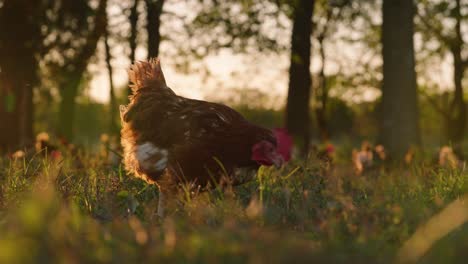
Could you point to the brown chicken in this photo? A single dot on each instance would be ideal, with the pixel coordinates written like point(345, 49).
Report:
point(170, 140)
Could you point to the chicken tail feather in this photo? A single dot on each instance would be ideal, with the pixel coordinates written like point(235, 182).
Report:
point(146, 74)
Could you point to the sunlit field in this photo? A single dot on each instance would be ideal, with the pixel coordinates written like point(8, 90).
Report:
point(76, 208)
point(233, 131)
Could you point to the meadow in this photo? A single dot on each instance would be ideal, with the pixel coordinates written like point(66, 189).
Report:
point(334, 74)
point(80, 209)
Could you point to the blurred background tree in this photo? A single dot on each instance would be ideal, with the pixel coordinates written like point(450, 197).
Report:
point(440, 26)
point(113, 128)
point(21, 43)
point(154, 9)
point(74, 29)
point(400, 118)
point(240, 22)
point(329, 70)
point(300, 82)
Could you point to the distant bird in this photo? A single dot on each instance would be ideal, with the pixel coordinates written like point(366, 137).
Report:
point(409, 156)
point(327, 153)
point(363, 159)
point(170, 140)
point(380, 157)
point(379, 153)
point(448, 158)
point(42, 147)
point(45, 147)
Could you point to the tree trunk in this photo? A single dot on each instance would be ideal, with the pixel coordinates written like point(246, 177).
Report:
point(112, 101)
point(153, 17)
point(457, 124)
point(321, 110)
point(20, 41)
point(458, 110)
point(132, 40)
point(400, 117)
point(69, 89)
point(297, 107)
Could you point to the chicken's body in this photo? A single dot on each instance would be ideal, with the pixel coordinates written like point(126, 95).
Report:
point(169, 139)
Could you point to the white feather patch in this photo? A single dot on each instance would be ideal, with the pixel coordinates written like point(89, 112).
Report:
point(151, 158)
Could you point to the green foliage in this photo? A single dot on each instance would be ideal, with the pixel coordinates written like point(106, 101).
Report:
point(90, 122)
point(237, 25)
point(342, 116)
point(82, 210)
point(264, 117)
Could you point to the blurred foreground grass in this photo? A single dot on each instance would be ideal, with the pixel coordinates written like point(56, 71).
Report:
point(87, 211)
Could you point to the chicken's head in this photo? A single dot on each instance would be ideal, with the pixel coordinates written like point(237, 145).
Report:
point(276, 153)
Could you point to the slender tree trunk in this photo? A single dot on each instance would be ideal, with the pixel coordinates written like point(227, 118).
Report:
point(297, 107)
point(322, 92)
point(400, 118)
point(113, 104)
point(132, 40)
point(19, 43)
point(69, 90)
point(153, 17)
point(133, 18)
point(321, 111)
point(458, 110)
point(457, 124)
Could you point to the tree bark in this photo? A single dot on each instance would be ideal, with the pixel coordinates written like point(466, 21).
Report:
point(112, 101)
point(297, 107)
point(458, 110)
point(321, 111)
point(322, 93)
point(454, 112)
point(20, 40)
point(69, 89)
point(400, 117)
point(153, 17)
point(132, 40)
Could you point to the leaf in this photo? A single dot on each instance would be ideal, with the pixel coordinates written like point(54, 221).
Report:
point(122, 194)
point(292, 172)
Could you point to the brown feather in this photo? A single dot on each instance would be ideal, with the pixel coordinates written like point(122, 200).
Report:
point(198, 136)
point(146, 74)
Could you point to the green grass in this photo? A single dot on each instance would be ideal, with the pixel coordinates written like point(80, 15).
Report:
point(82, 210)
